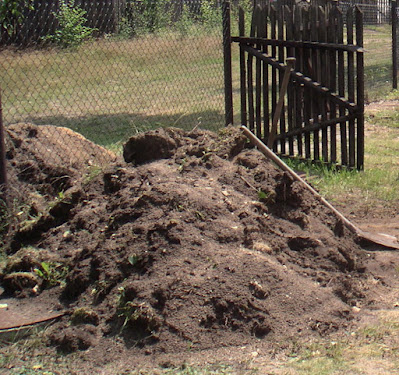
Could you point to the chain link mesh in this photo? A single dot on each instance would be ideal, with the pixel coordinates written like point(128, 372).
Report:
point(141, 65)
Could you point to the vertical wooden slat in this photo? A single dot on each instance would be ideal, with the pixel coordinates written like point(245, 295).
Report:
point(360, 89)
point(316, 76)
point(331, 38)
point(258, 77)
point(273, 35)
point(228, 77)
point(251, 109)
point(323, 103)
point(298, 86)
point(341, 88)
point(394, 17)
point(3, 166)
point(265, 76)
point(351, 86)
point(281, 57)
point(291, 89)
point(243, 76)
point(307, 66)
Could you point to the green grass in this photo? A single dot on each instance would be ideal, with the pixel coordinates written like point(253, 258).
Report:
point(367, 350)
point(380, 178)
point(111, 89)
point(377, 61)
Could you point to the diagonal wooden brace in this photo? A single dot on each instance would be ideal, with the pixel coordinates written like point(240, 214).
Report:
point(283, 89)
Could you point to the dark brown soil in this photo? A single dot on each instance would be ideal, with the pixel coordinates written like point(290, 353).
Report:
point(201, 243)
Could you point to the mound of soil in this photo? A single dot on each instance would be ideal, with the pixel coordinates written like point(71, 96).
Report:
point(200, 242)
point(42, 162)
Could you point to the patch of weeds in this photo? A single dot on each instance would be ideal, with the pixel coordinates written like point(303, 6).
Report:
point(388, 117)
point(266, 197)
point(318, 359)
point(26, 216)
point(180, 208)
point(92, 172)
point(137, 315)
point(84, 315)
point(24, 259)
point(206, 156)
point(182, 165)
point(100, 289)
point(28, 224)
point(52, 274)
point(5, 219)
point(212, 262)
point(34, 370)
point(186, 369)
point(133, 259)
point(200, 216)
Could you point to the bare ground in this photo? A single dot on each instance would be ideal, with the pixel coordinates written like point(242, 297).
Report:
point(197, 250)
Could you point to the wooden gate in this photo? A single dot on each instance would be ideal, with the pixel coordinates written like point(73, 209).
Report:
point(322, 118)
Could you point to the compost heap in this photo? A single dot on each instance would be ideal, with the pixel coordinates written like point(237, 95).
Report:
point(196, 239)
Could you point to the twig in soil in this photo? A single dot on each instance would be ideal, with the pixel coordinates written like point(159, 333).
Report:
point(251, 186)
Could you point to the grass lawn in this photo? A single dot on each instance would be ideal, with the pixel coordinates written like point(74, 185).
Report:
point(111, 89)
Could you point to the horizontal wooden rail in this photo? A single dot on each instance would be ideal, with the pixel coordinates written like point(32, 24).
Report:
point(315, 126)
point(352, 107)
point(298, 44)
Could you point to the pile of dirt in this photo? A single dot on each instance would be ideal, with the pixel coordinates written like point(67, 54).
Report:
point(198, 241)
point(42, 162)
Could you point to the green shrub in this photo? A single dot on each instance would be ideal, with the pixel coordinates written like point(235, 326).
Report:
point(125, 29)
point(185, 22)
point(211, 15)
point(71, 32)
point(11, 13)
point(144, 17)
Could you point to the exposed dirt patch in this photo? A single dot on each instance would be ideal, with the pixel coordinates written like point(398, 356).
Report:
point(205, 245)
point(381, 106)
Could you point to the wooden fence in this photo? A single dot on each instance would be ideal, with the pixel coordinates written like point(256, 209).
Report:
point(323, 113)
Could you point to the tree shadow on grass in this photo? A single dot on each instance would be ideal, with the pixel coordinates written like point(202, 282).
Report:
point(111, 130)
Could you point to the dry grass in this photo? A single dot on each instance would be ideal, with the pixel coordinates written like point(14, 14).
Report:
point(109, 89)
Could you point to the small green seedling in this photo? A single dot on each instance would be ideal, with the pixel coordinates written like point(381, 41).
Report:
point(200, 215)
point(52, 274)
point(133, 259)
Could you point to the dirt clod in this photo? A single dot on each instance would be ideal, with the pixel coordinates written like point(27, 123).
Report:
point(70, 339)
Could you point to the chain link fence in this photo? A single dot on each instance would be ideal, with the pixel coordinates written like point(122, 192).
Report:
point(126, 66)
point(110, 69)
point(378, 61)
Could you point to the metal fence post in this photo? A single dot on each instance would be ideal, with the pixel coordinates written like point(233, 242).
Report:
point(228, 79)
point(394, 16)
point(3, 172)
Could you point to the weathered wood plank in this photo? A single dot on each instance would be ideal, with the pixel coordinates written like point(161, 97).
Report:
point(289, 22)
point(250, 79)
point(243, 75)
point(258, 77)
point(341, 88)
point(351, 86)
point(281, 58)
point(273, 35)
point(323, 103)
point(298, 44)
point(332, 84)
point(360, 90)
point(265, 75)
